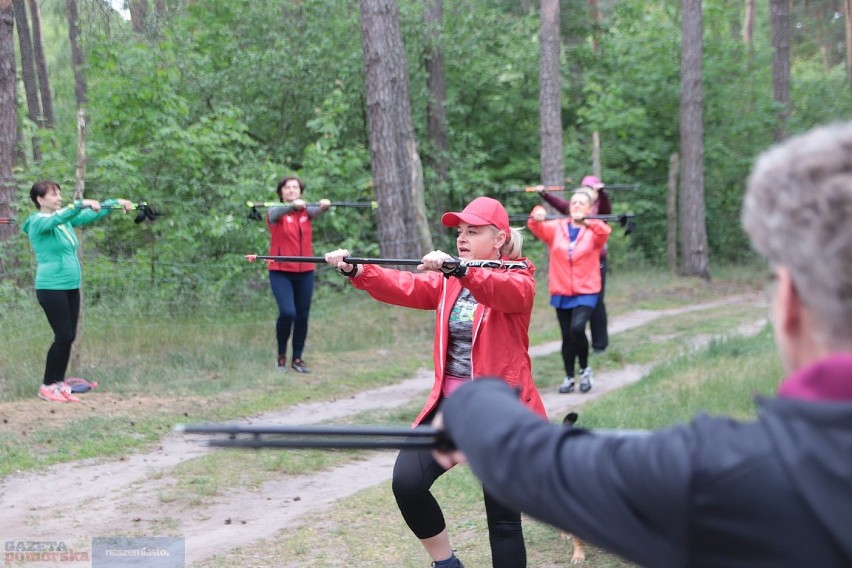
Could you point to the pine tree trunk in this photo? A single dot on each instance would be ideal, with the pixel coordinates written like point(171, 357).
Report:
point(79, 193)
point(138, 16)
point(396, 168)
point(847, 24)
point(8, 117)
point(693, 231)
point(550, 96)
point(779, 16)
point(28, 73)
point(436, 81)
point(748, 23)
point(76, 53)
point(41, 65)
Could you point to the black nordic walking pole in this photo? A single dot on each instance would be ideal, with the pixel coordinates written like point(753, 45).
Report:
point(356, 204)
point(623, 219)
point(537, 188)
point(255, 215)
point(320, 437)
point(255, 436)
point(495, 263)
point(145, 211)
point(620, 217)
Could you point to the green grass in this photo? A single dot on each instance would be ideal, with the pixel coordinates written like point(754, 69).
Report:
point(217, 366)
point(719, 379)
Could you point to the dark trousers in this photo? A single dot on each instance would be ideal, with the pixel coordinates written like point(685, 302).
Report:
point(598, 321)
point(575, 344)
point(414, 473)
point(293, 292)
point(62, 308)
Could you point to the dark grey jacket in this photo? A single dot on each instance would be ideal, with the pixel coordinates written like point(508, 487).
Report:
point(715, 492)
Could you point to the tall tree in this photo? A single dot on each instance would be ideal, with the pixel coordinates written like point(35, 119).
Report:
point(28, 72)
point(76, 52)
point(779, 16)
point(596, 135)
point(138, 15)
point(595, 11)
point(748, 23)
point(41, 65)
point(550, 96)
point(693, 231)
point(395, 163)
point(8, 116)
point(847, 25)
point(436, 79)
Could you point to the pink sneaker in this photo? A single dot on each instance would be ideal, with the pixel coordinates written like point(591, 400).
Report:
point(51, 393)
point(65, 391)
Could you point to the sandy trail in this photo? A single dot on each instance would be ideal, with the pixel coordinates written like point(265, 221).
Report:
point(121, 496)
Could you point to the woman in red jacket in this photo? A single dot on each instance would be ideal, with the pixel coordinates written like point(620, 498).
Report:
point(482, 318)
point(575, 278)
point(600, 206)
point(292, 283)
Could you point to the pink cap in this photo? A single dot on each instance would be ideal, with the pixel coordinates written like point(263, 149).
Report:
point(480, 211)
point(592, 181)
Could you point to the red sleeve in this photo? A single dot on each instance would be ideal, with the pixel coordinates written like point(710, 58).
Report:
point(401, 288)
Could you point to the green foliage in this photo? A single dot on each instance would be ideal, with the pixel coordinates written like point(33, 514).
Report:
point(214, 106)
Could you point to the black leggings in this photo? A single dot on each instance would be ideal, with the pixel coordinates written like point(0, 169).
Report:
point(575, 344)
point(62, 308)
point(414, 473)
point(598, 320)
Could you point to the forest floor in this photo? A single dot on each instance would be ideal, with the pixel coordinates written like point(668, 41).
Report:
point(102, 497)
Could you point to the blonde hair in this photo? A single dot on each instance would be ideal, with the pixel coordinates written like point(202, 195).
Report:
point(585, 193)
point(512, 248)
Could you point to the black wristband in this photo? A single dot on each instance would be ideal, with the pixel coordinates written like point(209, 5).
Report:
point(459, 270)
point(349, 273)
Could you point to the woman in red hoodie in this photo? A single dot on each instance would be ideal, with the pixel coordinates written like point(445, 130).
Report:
point(292, 283)
point(482, 318)
point(575, 278)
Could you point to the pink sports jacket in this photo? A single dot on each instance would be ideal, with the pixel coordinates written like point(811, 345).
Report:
point(573, 270)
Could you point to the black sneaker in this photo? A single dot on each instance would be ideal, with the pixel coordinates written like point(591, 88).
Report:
point(299, 366)
point(452, 562)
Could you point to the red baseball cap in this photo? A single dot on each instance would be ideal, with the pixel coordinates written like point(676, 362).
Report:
point(480, 211)
point(592, 181)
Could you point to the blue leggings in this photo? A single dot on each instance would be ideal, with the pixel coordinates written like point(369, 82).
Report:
point(293, 292)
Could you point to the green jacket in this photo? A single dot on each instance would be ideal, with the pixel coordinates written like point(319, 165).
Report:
point(55, 244)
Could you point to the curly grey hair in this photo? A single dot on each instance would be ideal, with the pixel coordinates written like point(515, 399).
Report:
point(797, 212)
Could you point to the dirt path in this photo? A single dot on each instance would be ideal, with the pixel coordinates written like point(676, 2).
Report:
point(106, 497)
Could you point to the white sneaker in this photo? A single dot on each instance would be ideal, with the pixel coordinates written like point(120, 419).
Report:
point(586, 378)
point(567, 385)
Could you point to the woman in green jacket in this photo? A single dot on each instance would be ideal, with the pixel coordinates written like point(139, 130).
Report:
point(58, 274)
